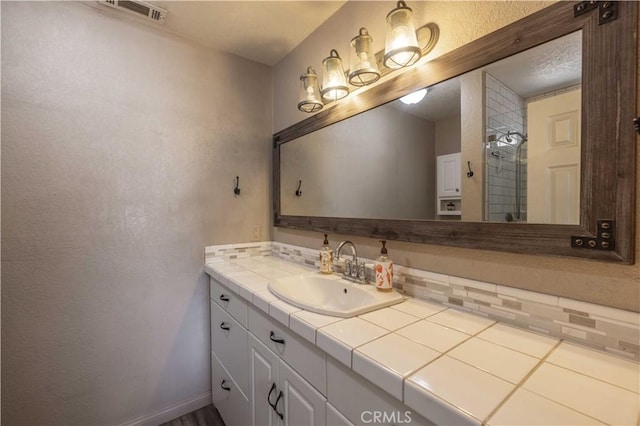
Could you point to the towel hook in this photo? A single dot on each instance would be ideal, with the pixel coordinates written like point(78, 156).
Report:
point(470, 172)
point(236, 190)
point(298, 191)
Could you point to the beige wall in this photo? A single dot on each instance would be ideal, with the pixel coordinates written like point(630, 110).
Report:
point(448, 136)
point(120, 146)
point(607, 284)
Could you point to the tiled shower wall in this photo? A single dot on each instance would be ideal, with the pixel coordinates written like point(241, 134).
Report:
point(505, 112)
point(608, 329)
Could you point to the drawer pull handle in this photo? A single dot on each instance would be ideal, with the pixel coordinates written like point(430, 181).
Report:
point(225, 326)
point(224, 298)
point(271, 404)
point(225, 386)
point(276, 406)
point(273, 338)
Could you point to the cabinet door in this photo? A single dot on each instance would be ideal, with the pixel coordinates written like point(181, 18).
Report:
point(300, 404)
point(263, 378)
point(449, 175)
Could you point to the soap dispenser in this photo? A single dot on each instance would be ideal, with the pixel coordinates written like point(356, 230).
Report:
point(384, 270)
point(326, 257)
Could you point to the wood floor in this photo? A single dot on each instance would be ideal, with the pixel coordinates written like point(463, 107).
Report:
point(206, 416)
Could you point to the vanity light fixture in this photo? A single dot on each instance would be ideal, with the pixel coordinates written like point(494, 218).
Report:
point(401, 44)
point(310, 100)
point(363, 66)
point(334, 82)
point(414, 97)
point(401, 50)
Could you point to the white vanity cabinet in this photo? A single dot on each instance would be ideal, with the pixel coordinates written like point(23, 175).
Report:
point(305, 358)
point(279, 395)
point(275, 354)
point(229, 362)
point(448, 183)
point(264, 374)
point(255, 371)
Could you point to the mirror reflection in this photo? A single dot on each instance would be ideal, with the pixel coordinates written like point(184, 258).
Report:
point(515, 124)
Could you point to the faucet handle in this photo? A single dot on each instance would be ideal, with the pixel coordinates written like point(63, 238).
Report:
point(355, 265)
point(347, 268)
point(361, 271)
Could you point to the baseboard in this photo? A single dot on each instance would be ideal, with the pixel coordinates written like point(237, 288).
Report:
point(172, 412)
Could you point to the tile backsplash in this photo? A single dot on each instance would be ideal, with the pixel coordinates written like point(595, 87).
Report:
point(609, 329)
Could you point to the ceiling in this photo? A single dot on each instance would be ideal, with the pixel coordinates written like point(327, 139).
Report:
point(262, 31)
point(543, 69)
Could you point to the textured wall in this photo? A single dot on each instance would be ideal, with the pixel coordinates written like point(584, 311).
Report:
point(120, 146)
point(597, 282)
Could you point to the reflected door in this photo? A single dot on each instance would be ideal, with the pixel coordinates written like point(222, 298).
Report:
point(553, 159)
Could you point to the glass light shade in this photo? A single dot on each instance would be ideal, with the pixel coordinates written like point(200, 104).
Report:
point(363, 67)
point(334, 82)
point(310, 100)
point(414, 97)
point(401, 44)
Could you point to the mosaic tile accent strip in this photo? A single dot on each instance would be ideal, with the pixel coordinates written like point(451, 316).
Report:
point(616, 332)
point(608, 329)
point(221, 253)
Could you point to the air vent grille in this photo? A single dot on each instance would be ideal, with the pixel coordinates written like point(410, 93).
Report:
point(139, 8)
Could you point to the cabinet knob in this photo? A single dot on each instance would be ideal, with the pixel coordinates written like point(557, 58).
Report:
point(275, 406)
point(457, 189)
point(271, 404)
point(275, 339)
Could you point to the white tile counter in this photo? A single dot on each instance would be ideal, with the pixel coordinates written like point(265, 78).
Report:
point(450, 366)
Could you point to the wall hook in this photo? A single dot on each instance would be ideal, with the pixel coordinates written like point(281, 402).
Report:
point(636, 124)
point(298, 191)
point(236, 190)
point(470, 172)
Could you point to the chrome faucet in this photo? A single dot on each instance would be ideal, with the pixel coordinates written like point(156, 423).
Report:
point(353, 270)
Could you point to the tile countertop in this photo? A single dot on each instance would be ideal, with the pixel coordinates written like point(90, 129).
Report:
point(450, 366)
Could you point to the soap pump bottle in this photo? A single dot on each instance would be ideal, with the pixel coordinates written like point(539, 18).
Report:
point(384, 270)
point(326, 257)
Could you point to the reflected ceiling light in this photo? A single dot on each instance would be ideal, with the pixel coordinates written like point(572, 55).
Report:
point(334, 82)
point(414, 97)
point(310, 100)
point(363, 66)
point(401, 44)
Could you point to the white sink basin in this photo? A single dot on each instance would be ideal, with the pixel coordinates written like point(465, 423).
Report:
point(331, 295)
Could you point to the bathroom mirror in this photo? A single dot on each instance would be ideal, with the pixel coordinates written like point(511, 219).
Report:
point(495, 209)
point(393, 149)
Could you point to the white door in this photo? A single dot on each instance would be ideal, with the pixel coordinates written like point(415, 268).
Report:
point(263, 383)
point(301, 404)
point(553, 159)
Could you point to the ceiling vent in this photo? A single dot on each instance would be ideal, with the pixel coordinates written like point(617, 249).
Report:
point(139, 8)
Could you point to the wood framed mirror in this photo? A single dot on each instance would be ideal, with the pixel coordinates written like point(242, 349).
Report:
point(604, 228)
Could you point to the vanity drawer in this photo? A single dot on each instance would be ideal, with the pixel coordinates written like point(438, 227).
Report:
point(230, 301)
point(306, 359)
point(232, 404)
point(229, 343)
